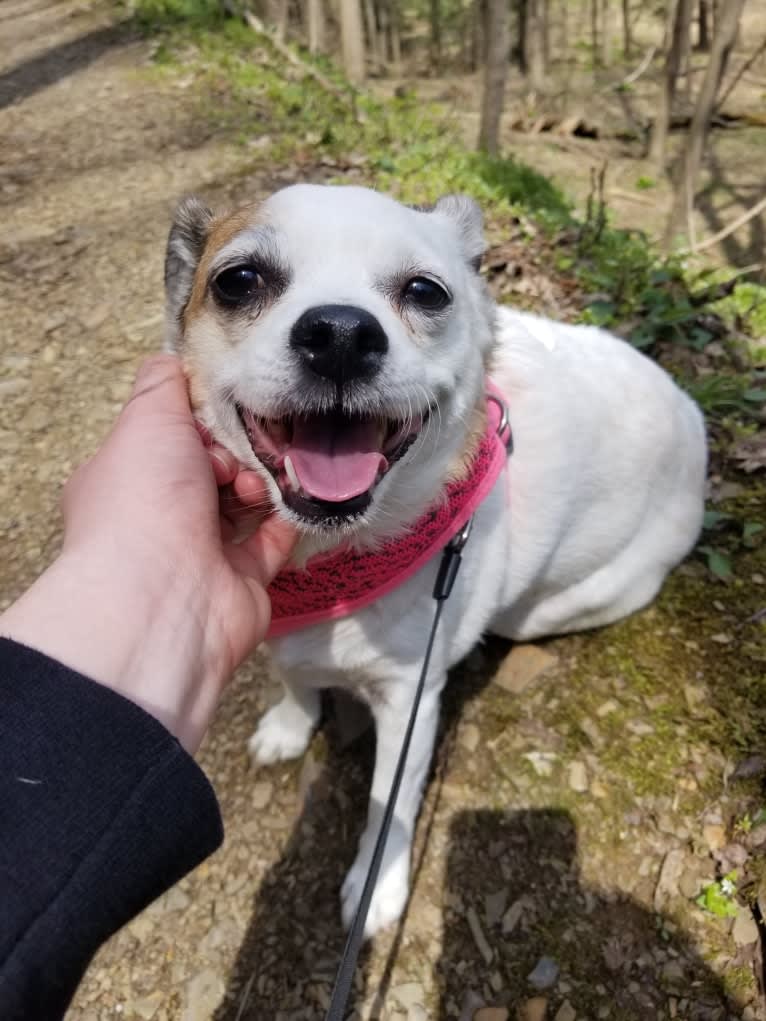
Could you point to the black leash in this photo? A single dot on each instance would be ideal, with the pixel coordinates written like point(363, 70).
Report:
point(448, 568)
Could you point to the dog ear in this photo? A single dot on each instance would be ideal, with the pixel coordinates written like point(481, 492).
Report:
point(470, 222)
point(186, 242)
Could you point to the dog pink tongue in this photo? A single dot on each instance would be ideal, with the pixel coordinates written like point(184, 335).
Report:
point(336, 459)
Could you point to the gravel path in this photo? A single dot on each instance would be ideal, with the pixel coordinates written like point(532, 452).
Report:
point(564, 835)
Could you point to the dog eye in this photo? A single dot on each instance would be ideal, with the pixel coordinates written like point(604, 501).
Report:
point(426, 294)
point(237, 284)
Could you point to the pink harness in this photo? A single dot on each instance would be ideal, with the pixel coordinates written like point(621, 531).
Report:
point(336, 584)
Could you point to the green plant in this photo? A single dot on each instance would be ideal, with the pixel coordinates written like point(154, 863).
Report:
point(643, 183)
point(718, 897)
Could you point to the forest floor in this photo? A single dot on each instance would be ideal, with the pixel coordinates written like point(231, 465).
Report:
point(586, 791)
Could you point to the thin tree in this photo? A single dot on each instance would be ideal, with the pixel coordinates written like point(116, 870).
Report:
point(703, 22)
point(315, 26)
point(495, 73)
point(687, 171)
point(627, 31)
point(677, 34)
point(352, 40)
point(535, 31)
point(435, 43)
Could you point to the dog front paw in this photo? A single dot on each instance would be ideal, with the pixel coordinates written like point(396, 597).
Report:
point(283, 733)
point(391, 891)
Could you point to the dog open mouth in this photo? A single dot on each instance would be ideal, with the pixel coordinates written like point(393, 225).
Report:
point(327, 465)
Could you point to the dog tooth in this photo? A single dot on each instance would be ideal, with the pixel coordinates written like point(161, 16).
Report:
point(290, 472)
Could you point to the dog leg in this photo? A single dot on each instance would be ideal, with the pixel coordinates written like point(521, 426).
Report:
point(285, 730)
point(392, 889)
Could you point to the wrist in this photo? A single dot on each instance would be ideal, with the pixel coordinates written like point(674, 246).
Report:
point(146, 642)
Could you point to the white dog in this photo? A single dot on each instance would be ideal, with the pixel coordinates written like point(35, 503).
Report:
point(340, 343)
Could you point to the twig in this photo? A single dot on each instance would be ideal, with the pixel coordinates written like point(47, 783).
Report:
point(717, 291)
point(742, 71)
point(643, 199)
point(286, 51)
point(635, 75)
point(739, 222)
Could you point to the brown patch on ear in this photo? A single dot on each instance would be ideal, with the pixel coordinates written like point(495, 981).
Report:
point(460, 468)
point(222, 230)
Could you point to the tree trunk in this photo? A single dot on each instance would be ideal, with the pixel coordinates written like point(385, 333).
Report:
point(627, 31)
point(315, 26)
point(352, 40)
point(277, 14)
point(703, 19)
point(594, 34)
point(606, 35)
point(373, 40)
point(534, 45)
point(496, 70)
point(726, 26)
point(435, 47)
point(678, 33)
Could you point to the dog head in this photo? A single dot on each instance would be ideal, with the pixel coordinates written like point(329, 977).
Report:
point(336, 341)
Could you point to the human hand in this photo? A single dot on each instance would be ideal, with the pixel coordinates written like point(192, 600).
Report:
point(149, 595)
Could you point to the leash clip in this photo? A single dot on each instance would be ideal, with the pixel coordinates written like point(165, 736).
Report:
point(450, 562)
point(504, 425)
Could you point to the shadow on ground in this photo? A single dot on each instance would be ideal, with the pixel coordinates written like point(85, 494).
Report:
point(519, 872)
point(59, 62)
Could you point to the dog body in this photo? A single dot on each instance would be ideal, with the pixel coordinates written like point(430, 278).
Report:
point(351, 370)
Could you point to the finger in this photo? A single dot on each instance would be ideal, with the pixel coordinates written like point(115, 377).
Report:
point(268, 549)
point(223, 463)
point(160, 382)
point(251, 489)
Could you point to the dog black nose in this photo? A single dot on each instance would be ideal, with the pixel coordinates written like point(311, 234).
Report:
point(339, 342)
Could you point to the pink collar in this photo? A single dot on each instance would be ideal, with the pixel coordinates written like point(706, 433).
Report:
point(337, 584)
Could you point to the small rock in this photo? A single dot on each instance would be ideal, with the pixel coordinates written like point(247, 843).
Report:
point(176, 900)
point(598, 790)
point(512, 917)
point(747, 768)
point(417, 1012)
point(667, 882)
point(491, 1014)
point(695, 695)
point(469, 737)
point(533, 1010)
point(689, 885)
point(146, 1007)
point(541, 762)
point(408, 994)
point(566, 1012)
point(610, 706)
point(494, 907)
point(745, 928)
point(260, 794)
point(714, 835)
point(721, 638)
point(522, 665)
point(544, 973)
point(203, 995)
point(578, 777)
point(673, 973)
point(478, 935)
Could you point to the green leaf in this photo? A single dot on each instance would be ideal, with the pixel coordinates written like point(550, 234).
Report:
point(755, 396)
point(601, 313)
point(713, 519)
point(718, 563)
point(749, 530)
point(718, 903)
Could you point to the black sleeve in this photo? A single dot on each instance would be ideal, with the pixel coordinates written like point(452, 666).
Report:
point(101, 810)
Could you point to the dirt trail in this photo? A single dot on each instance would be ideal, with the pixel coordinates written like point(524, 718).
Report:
point(536, 840)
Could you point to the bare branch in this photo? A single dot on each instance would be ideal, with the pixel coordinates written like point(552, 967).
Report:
point(739, 222)
point(635, 75)
point(741, 73)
